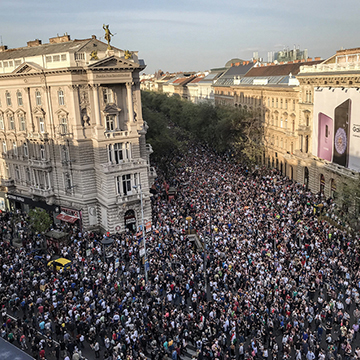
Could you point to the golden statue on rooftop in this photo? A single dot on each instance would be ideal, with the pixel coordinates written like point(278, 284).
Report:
point(108, 35)
point(127, 54)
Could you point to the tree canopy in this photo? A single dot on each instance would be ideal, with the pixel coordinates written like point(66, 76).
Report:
point(223, 128)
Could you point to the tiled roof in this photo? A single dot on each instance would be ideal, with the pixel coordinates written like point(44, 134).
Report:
point(196, 80)
point(279, 70)
point(183, 80)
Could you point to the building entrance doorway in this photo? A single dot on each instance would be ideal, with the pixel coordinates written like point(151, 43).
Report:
point(130, 221)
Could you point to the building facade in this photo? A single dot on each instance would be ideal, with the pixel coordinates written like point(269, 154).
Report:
point(72, 134)
point(334, 86)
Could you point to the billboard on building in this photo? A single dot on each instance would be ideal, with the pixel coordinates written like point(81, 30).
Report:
point(336, 126)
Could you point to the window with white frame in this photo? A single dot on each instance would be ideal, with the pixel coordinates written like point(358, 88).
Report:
point(281, 122)
point(4, 147)
point(118, 152)
point(19, 98)
point(110, 122)
point(1, 121)
point(15, 148)
point(126, 184)
point(22, 122)
point(38, 97)
point(42, 152)
point(8, 99)
point(108, 95)
point(41, 124)
point(26, 149)
point(286, 122)
point(63, 125)
point(11, 122)
point(61, 98)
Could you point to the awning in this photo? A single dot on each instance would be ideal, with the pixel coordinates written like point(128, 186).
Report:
point(67, 218)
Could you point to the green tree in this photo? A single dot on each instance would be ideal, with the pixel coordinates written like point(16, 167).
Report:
point(40, 220)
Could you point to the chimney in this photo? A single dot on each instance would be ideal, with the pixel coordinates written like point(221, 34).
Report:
point(60, 39)
point(281, 63)
point(33, 43)
point(290, 62)
point(248, 62)
point(317, 58)
point(3, 48)
point(309, 59)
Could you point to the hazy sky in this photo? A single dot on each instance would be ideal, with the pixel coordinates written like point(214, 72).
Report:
point(186, 35)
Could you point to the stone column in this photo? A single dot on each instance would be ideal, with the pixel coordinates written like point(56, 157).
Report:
point(74, 89)
point(130, 102)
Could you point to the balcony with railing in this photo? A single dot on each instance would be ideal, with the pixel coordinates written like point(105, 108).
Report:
point(42, 192)
point(115, 134)
point(7, 182)
point(123, 165)
point(41, 164)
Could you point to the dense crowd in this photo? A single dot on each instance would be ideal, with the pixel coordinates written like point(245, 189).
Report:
point(273, 283)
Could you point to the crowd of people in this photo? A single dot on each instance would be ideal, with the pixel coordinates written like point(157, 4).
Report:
point(273, 281)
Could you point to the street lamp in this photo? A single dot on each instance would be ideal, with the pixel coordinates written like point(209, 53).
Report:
point(143, 230)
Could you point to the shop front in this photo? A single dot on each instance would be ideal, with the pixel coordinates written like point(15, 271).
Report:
point(70, 216)
point(23, 203)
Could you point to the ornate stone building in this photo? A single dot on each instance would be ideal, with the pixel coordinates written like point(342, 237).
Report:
point(333, 84)
point(72, 135)
point(273, 92)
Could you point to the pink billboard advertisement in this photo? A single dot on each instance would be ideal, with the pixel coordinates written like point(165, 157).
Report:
point(336, 126)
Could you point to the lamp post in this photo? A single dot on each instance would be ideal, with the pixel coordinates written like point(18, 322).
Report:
point(143, 230)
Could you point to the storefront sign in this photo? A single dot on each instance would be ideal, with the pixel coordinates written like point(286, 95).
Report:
point(71, 212)
point(15, 197)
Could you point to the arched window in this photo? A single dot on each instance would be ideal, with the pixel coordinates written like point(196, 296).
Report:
point(19, 98)
point(8, 99)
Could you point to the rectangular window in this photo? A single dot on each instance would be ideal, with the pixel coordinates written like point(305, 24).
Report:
point(17, 172)
point(293, 105)
point(67, 181)
point(19, 99)
point(28, 175)
point(61, 98)
point(63, 57)
point(17, 62)
point(8, 99)
point(108, 96)
point(38, 98)
point(4, 147)
point(63, 126)
point(126, 184)
point(26, 149)
point(6, 64)
point(15, 149)
point(22, 122)
point(11, 123)
point(42, 152)
point(41, 125)
point(118, 153)
point(286, 105)
point(1, 122)
point(48, 59)
point(110, 122)
point(56, 58)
